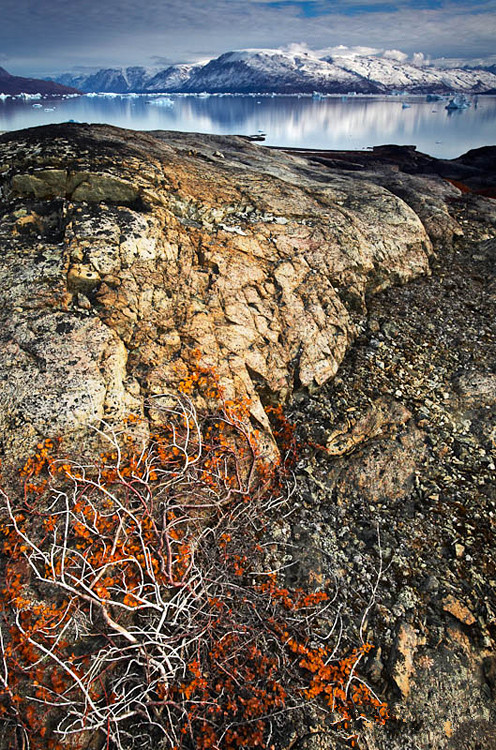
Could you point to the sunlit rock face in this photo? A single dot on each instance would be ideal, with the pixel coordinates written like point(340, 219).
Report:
point(123, 252)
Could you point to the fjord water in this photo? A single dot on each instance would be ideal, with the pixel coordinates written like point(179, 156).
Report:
point(352, 122)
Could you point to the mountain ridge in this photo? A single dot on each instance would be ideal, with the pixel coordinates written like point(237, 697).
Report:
point(15, 85)
point(274, 71)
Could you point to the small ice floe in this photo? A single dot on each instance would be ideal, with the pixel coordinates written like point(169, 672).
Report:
point(37, 106)
point(49, 109)
point(317, 95)
point(405, 105)
point(165, 102)
point(458, 102)
point(102, 94)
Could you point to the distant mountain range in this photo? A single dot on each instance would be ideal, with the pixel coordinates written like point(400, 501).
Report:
point(274, 71)
point(15, 85)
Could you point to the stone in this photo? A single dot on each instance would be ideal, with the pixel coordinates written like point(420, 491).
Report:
point(271, 264)
point(403, 657)
point(257, 259)
point(458, 610)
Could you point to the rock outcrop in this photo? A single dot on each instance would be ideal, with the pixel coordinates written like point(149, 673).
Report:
point(123, 252)
point(404, 483)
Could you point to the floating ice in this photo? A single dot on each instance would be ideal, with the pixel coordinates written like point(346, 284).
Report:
point(166, 102)
point(458, 102)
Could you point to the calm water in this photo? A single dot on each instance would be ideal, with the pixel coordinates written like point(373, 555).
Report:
point(334, 123)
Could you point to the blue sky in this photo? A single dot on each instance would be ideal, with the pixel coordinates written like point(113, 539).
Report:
point(47, 36)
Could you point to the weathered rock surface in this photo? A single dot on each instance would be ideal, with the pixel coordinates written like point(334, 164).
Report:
point(122, 252)
point(404, 482)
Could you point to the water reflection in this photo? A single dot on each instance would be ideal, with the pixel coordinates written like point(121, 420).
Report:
point(334, 123)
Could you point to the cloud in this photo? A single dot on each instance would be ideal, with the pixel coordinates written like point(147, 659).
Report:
point(343, 51)
point(55, 35)
point(419, 59)
point(395, 54)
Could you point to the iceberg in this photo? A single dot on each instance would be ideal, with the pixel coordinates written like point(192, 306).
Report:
point(166, 102)
point(458, 102)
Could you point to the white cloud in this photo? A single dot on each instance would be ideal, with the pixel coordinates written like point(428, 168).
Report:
point(419, 59)
point(395, 54)
point(342, 50)
point(58, 36)
point(298, 48)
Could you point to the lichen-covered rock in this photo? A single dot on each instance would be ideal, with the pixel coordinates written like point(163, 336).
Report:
point(402, 489)
point(123, 252)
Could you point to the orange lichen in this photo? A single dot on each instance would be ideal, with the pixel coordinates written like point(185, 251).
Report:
point(158, 552)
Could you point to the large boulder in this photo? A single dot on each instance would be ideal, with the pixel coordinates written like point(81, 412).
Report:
point(122, 252)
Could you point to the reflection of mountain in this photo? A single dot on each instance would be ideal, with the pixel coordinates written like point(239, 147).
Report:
point(288, 121)
point(293, 120)
point(15, 85)
point(266, 71)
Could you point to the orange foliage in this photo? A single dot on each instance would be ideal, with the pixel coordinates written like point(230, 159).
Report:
point(115, 545)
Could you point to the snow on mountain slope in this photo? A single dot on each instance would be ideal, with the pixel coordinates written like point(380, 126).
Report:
point(392, 74)
point(111, 80)
point(172, 78)
point(474, 81)
point(260, 71)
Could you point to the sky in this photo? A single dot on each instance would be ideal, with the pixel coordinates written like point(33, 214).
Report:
point(44, 37)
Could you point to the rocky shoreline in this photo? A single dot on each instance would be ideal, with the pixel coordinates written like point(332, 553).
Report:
point(358, 289)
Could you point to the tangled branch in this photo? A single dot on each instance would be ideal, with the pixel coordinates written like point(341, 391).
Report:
point(137, 602)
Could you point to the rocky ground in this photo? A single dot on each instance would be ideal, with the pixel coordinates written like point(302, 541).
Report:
point(360, 290)
point(408, 435)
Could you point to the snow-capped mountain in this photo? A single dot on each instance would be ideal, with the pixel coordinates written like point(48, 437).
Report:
point(172, 78)
point(110, 80)
point(272, 70)
point(269, 71)
point(390, 74)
